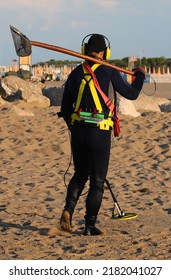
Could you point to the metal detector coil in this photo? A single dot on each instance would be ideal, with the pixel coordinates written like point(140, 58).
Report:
point(124, 216)
point(120, 215)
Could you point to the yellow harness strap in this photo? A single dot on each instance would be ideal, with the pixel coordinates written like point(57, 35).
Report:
point(88, 78)
point(105, 124)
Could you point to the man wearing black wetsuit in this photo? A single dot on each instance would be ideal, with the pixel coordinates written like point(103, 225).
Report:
point(91, 145)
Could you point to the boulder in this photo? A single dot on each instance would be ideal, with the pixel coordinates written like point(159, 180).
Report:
point(54, 94)
point(15, 88)
point(24, 112)
point(151, 103)
point(126, 107)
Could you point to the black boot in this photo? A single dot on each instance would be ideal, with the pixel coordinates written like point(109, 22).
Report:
point(90, 228)
point(92, 231)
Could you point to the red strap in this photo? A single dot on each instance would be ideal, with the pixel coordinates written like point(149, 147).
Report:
point(94, 112)
point(107, 101)
point(116, 126)
point(79, 111)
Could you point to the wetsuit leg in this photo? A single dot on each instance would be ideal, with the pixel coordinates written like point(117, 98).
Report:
point(91, 150)
point(81, 166)
point(99, 161)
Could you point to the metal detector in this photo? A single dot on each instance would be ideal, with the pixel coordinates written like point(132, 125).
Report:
point(120, 215)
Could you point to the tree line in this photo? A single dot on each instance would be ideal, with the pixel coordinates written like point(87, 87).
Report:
point(148, 62)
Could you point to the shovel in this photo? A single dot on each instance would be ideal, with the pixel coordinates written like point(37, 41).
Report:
point(23, 47)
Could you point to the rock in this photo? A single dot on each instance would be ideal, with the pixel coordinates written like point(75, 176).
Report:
point(126, 107)
point(2, 92)
point(2, 102)
point(24, 112)
point(150, 103)
point(165, 107)
point(143, 103)
point(54, 94)
point(16, 88)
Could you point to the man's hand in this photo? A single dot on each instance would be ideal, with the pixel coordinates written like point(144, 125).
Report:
point(139, 70)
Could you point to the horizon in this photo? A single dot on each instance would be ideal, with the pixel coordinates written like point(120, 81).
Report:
point(79, 60)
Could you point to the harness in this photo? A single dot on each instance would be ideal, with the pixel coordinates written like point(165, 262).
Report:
point(96, 118)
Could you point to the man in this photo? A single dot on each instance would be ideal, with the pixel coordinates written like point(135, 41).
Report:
point(91, 129)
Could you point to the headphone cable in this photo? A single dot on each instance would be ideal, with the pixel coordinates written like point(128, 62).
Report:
point(70, 160)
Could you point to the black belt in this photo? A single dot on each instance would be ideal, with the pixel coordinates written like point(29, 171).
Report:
point(84, 124)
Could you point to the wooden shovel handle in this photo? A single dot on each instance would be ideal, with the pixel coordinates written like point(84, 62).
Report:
point(77, 54)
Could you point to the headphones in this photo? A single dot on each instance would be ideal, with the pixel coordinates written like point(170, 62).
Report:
point(84, 46)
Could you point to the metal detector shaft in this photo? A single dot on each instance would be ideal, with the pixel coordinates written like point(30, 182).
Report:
point(114, 198)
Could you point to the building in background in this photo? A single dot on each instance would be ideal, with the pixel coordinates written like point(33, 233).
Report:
point(25, 63)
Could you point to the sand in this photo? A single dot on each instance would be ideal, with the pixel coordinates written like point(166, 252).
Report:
point(35, 153)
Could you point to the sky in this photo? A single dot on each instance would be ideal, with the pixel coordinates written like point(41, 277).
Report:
point(133, 27)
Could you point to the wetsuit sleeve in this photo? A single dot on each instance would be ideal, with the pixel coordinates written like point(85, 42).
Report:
point(139, 79)
point(129, 91)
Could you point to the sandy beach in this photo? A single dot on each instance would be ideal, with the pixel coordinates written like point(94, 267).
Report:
point(35, 154)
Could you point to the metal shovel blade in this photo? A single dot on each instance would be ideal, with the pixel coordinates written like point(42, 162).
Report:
point(21, 42)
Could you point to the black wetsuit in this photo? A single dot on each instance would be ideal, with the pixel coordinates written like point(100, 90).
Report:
point(90, 145)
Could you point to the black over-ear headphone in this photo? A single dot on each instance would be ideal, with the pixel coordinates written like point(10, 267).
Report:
point(85, 44)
